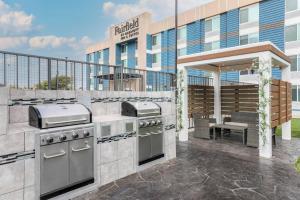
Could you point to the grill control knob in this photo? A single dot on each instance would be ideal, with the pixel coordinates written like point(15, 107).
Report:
point(147, 123)
point(158, 122)
point(86, 134)
point(75, 135)
point(62, 138)
point(142, 124)
point(49, 140)
point(153, 123)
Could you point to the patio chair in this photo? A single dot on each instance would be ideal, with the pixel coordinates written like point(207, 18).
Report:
point(203, 126)
point(252, 135)
point(252, 132)
point(227, 119)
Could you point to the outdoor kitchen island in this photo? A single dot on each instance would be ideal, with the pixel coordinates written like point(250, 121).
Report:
point(115, 137)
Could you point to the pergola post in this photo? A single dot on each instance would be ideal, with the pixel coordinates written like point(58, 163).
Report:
point(182, 103)
point(217, 96)
point(265, 130)
point(286, 127)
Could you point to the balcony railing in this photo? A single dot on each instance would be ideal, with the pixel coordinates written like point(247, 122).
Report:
point(19, 70)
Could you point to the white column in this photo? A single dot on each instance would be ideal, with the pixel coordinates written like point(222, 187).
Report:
point(217, 96)
point(265, 142)
point(182, 104)
point(286, 127)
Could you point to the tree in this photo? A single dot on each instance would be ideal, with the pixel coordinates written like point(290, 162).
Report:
point(62, 83)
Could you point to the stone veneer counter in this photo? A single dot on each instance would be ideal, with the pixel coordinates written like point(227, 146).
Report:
point(114, 160)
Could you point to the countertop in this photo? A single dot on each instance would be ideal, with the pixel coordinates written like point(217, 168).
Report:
point(21, 128)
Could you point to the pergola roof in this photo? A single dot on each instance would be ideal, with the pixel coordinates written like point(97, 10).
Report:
point(234, 58)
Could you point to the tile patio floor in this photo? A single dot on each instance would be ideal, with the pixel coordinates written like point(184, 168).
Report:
point(212, 170)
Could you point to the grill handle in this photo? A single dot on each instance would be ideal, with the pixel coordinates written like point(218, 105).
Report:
point(87, 147)
point(55, 155)
point(66, 122)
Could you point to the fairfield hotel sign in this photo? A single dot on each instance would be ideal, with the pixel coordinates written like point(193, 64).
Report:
point(127, 30)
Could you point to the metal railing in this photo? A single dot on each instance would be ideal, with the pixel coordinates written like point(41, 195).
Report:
point(26, 71)
point(228, 83)
point(199, 80)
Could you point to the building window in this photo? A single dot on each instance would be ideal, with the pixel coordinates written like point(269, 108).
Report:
point(181, 33)
point(156, 40)
point(156, 58)
point(100, 55)
point(248, 72)
point(182, 52)
point(291, 5)
point(244, 72)
point(123, 48)
point(89, 58)
point(294, 93)
point(292, 33)
point(298, 93)
point(249, 39)
point(212, 24)
point(249, 14)
point(294, 63)
point(124, 63)
point(211, 45)
point(243, 39)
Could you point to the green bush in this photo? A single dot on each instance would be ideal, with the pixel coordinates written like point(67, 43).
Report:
point(297, 165)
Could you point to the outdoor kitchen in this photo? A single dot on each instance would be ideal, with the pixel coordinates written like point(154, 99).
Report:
point(58, 144)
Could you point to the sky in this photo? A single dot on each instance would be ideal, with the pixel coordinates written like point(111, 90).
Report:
point(65, 28)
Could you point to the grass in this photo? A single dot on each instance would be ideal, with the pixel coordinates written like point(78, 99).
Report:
point(297, 165)
point(295, 129)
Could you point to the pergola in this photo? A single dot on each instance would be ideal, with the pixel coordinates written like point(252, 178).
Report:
point(266, 56)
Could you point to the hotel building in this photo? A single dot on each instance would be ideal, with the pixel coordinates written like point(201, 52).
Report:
point(143, 43)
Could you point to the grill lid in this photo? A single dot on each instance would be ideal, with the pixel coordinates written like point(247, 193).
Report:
point(57, 115)
point(140, 109)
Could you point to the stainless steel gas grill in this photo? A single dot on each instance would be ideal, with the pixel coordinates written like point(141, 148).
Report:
point(64, 148)
point(150, 129)
point(57, 115)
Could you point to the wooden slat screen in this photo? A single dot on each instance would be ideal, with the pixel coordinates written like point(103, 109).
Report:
point(239, 98)
point(281, 96)
point(201, 100)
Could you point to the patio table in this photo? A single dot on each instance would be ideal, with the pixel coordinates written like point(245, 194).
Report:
point(230, 127)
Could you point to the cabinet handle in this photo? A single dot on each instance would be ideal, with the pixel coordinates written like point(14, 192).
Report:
point(158, 133)
point(55, 155)
point(87, 147)
point(144, 135)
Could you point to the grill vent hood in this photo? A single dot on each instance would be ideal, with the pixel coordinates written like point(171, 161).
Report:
point(140, 109)
point(57, 115)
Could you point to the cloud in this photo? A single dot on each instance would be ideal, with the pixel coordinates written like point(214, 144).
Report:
point(12, 42)
point(40, 42)
point(13, 21)
point(159, 9)
point(52, 41)
point(107, 6)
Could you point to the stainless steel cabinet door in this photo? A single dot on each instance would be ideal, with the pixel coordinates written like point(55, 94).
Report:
point(81, 160)
point(54, 167)
point(144, 147)
point(156, 144)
